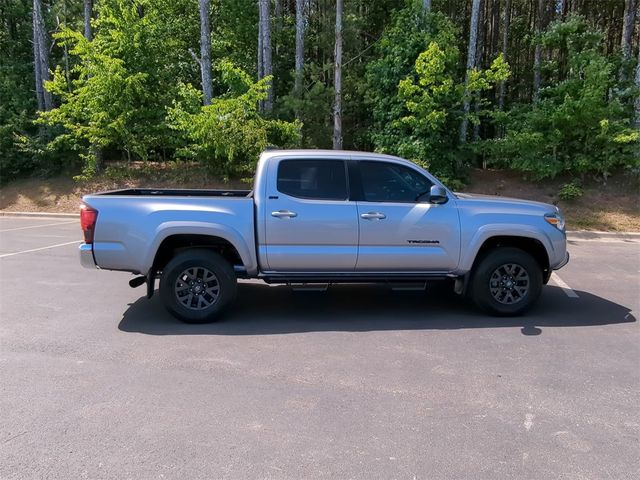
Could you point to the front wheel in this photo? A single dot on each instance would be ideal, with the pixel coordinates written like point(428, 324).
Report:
point(196, 285)
point(507, 282)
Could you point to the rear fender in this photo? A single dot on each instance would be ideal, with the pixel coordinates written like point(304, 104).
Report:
point(229, 234)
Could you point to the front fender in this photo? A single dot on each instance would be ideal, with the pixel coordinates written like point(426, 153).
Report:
point(498, 230)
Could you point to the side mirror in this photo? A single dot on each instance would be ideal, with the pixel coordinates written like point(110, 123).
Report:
point(438, 195)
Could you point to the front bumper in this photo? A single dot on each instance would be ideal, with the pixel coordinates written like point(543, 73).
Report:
point(86, 256)
point(563, 263)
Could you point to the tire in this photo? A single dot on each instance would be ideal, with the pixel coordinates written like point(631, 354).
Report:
point(506, 282)
point(197, 285)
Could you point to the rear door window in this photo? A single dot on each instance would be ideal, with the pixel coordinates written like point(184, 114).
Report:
point(313, 179)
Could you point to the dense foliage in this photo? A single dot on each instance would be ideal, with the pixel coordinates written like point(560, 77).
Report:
point(17, 102)
point(417, 92)
point(230, 133)
point(128, 91)
point(133, 91)
point(581, 123)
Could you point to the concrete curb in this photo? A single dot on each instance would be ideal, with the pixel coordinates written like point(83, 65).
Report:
point(598, 235)
point(38, 214)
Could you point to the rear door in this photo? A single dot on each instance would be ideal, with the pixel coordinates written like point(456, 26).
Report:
point(399, 230)
point(310, 223)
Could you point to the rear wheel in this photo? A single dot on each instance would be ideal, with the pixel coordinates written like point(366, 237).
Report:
point(197, 285)
point(507, 282)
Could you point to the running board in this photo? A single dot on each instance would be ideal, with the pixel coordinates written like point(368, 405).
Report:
point(395, 286)
point(309, 287)
point(322, 278)
point(409, 287)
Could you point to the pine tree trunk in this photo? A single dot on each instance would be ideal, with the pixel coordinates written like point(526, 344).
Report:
point(337, 83)
point(278, 14)
point(505, 47)
point(260, 62)
point(88, 8)
point(494, 37)
point(482, 18)
point(637, 102)
point(36, 61)
point(205, 53)
point(65, 48)
point(299, 75)
point(94, 149)
point(41, 58)
point(627, 28)
point(575, 6)
point(471, 63)
point(267, 67)
point(537, 56)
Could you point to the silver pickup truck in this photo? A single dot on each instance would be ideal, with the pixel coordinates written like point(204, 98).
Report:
point(325, 217)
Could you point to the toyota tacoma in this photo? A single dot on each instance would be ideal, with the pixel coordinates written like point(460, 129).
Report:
point(324, 217)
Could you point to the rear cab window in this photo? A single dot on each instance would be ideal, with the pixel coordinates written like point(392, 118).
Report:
point(313, 179)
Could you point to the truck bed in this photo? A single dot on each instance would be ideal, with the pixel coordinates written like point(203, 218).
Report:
point(177, 192)
point(132, 223)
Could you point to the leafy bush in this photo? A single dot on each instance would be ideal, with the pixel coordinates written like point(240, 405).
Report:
point(418, 91)
point(570, 191)
point(579, 125)
point(13, 160)
point(230, 133)
point(122, 81)
point(128, 92)
point(314, 107)
point(17, 102)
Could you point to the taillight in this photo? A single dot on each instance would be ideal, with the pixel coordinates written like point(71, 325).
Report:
point(88, 217)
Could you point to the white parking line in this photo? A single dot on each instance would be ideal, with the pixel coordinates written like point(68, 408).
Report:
point(38, 249)
point(37, 226)
point(565, 288)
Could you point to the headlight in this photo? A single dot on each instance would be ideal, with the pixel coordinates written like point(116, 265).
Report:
point(556, 219)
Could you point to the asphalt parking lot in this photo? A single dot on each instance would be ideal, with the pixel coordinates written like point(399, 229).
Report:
point(96, 381)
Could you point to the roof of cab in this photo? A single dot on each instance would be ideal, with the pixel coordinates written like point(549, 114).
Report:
point(319, 154)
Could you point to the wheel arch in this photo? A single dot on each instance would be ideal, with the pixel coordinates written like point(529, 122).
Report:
point(530, 245)
point(171, 245)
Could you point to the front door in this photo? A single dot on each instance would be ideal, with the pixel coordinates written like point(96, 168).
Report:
point(399, 230)
point(311, 225)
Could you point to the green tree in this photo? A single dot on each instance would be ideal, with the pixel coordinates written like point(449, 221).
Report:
point(419, 91)
point(229, 134)
point(124, 79)
point(579, 125)
point(17, 101)
point(112, 93)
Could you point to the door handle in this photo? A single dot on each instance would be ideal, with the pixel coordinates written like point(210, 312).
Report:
point(284, 214)
point(373, 216)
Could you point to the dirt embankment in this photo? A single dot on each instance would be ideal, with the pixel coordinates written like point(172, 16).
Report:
point(613, 206)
